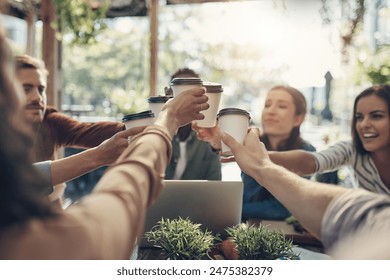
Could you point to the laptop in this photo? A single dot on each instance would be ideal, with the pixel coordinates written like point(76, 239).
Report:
point(213, 204)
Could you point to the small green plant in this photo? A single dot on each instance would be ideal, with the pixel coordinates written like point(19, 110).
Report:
point(181, 239)
point(260, 243)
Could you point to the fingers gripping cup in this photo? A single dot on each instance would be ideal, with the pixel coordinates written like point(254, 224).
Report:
point(156, 103)
point(214, 92)
point(235, 122)
point(138, 119)
point(178, 85)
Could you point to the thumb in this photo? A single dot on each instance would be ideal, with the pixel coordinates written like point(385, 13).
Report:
point(230, 142)
point(132, 131)
point(252, 138)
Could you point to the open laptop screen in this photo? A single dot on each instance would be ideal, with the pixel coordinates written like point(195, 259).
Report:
point(213, 204)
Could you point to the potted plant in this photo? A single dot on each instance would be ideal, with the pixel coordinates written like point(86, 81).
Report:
point(181, 239)
point(251, 242)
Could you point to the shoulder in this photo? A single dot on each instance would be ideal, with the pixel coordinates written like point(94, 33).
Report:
point(53, 113)
point(50, 110)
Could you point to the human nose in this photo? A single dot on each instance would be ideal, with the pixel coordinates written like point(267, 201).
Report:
point(365, 122)
point(35, 94)
point(269, 109)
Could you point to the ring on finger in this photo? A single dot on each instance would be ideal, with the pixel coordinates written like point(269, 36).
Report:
point(129, 140)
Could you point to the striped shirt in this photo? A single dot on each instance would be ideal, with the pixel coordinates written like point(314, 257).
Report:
point(366, 175)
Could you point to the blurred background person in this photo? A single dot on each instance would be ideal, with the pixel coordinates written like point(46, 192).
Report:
point(283, 113)
point(52, 129)
point(192, 159)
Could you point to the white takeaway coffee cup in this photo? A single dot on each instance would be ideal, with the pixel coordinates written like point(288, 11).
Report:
point(235, 122)
point(213, 92)
point(144, 118)
point(156, 103)
point(178, 85)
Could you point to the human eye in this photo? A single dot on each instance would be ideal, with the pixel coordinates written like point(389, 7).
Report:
point(27, 88)
point(283, 105)
point(358, 117)
point(41, 90)
point(377, 116)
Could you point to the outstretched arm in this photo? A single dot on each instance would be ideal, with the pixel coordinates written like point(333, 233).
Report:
point(297, 161)
point(307, 200)
point(68, 168)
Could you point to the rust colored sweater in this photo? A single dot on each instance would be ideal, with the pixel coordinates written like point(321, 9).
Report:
point(59, 130)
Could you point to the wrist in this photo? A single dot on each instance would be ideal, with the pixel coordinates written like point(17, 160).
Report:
point(168, 121)
point(96, 157)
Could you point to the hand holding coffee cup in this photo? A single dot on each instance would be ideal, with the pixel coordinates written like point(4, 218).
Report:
point(180, 85)
point(250, 153)
point(208, 134)
point(156, 103)
point(186, 107)
point(235, 122)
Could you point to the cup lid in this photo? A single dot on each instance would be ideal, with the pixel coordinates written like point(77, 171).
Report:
point(233, 111)
point(137, 116)
point(213, 87)
point(186, 81)
point(159, 99)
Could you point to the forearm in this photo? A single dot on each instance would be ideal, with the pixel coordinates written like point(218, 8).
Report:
point(307, 200)
point(297, 161)
point(134, 181)
point(66, 169)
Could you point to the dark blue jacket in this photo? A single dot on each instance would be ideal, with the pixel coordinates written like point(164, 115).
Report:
point(261, 204)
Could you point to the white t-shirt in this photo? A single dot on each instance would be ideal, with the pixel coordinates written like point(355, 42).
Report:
point(182, 161)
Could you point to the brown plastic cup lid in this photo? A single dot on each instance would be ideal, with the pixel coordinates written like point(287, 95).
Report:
point(185, 81)
point(137, 116)
point(213, 87)
point(232, 111)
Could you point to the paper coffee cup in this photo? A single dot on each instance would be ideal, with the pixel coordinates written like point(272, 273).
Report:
point(138, 119)
point(178, 85)
point(213, 92)
point(235, 122)
point(156, 103)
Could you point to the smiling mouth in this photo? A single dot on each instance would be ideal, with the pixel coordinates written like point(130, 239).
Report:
point(369, 135)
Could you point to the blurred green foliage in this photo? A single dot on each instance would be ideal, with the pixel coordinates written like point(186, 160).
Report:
point(113, 74)
point(375, 67)
point(80, 19)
